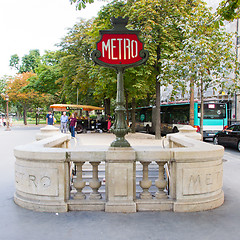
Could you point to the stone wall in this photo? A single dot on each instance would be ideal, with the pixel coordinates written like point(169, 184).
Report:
point(189, 176)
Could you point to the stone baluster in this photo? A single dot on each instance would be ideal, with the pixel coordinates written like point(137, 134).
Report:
point(78, 183)
point(95, 184)
point(161, 183)
point(145, 184)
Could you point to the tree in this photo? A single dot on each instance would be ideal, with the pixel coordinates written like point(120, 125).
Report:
point(229, 9)
point(207, 57)
point(47, 75)
point(14, 62)
point(158, 21)
point(21, 96)
point(3, 84)
point(29, 62)
point(76, 63)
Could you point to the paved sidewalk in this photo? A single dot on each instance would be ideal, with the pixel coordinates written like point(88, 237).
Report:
point(17, 223)
point(105, 139)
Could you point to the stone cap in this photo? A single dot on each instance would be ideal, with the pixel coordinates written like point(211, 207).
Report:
point(46, 132)
point(190, 132)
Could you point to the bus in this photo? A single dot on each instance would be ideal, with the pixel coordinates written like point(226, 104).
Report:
point(176, 115)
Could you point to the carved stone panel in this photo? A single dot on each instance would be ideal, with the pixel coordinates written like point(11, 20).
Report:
point(121, 182)
point(202, 180)
point(37, 181)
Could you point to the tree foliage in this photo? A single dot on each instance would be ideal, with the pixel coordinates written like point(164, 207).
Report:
point(207, 54)
point(21, 96)
point(3, 84)
point(28, 63)
point(207, 57)
point(229, 9)
point(182, 36)
point(76, 63)
point(47, 74)
point(14, 62)
point(81, 4)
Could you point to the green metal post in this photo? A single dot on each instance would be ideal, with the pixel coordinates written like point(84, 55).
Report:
point(120, 128)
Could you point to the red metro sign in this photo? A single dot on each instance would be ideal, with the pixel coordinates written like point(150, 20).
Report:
point(119, 47)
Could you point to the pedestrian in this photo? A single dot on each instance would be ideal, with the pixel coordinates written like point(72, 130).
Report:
point(49, 118)
point(109, 121)
point(4, 121)
point(64, 120)
point(73, 123)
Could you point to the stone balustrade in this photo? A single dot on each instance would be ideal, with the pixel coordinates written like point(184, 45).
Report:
point(188, 176)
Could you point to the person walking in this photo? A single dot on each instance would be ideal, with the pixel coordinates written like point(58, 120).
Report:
point(73, 123)
point(4, 121)
point(49, 118)
point(64, 120)
point(109, 123)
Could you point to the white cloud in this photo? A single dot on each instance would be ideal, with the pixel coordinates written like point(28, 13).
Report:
point(36, 24)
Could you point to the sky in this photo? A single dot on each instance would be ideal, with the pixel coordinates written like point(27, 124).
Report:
point(36, 24)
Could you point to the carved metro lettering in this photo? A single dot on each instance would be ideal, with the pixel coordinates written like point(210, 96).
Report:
point(39, 181)
point(209, 179)
point(19, 176)
point(194, 182)
point(32, 180)
point(45, 181)
point(202, 180)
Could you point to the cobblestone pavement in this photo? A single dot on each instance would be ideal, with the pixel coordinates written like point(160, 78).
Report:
point(17, 223)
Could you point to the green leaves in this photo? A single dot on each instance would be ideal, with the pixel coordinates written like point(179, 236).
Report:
point(14, 61)
point(29, 62)
point(229, 9)
point(207, 55)
point(81, 4)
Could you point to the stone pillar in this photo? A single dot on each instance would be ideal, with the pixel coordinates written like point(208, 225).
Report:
point(79, 184)
point(161, 183)
point(95, 184)
point(120, 180)
point(145, 184)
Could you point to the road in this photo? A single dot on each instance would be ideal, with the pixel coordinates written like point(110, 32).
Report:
point(231, 154)
point(17, 223)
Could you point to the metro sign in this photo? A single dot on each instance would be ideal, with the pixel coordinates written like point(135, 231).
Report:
point(119, 47)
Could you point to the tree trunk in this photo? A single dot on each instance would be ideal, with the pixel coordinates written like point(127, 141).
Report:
point(191, 113)
point(107, 106)
point(19, 114)
point(202, 110)
point(158, 110)
point(127, 112)
point(148, 99)
point(24, 115)
point(36, 118)
point(133, 115)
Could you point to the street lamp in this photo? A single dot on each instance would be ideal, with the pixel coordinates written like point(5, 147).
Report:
point(7, 99)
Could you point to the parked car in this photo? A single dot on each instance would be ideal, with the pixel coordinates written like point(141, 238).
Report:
point(229, 137)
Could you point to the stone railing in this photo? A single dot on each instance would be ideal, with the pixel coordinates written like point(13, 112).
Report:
point(187, 177)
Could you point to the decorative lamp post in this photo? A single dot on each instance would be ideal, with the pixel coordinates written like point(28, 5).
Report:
point(120, 48)
point(7, 99)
